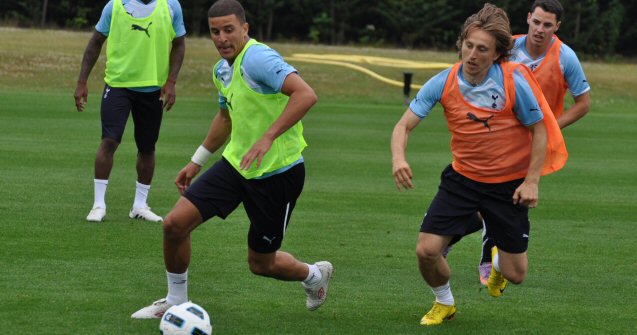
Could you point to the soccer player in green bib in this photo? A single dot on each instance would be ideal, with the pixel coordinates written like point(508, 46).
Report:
point(262, 101)
point(145, 50)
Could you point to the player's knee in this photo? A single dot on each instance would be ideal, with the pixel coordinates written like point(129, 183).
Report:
point(426, 254)
point(516, 276)
point(175, 230)
point(109, 145)
point(260, 267)
point(146, 153)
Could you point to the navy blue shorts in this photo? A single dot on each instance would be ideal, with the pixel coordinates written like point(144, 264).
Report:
point(453, 211)
point(146, 108)
point(269, 202)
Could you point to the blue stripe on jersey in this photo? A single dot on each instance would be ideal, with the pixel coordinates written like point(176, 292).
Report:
point(281, 170)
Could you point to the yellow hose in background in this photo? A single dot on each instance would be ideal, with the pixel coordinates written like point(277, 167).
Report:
point(347, 60)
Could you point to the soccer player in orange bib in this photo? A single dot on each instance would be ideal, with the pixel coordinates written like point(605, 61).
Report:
point(504, 137)
point(557, 70)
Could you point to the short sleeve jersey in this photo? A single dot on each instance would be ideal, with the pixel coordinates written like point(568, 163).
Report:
point(138, 9)
point(263, 68)
point(489, 94)
point(569, 64)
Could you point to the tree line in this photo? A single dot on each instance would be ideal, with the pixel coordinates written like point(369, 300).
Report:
point(591, 27)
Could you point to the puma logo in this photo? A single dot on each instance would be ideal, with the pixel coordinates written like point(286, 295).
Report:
point(269, 239)
point(140, 28)
point(485, 121)
point(106, 92)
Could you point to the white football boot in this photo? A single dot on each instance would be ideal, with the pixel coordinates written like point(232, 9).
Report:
point(316, 294)
point(96, 214)
point(155, 311)
point(144, 213)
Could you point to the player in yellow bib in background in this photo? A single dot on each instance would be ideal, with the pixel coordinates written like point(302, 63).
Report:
point(145, 50)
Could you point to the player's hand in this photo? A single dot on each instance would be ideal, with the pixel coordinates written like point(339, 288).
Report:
point(168, 95)
point(403, 175)
point(81, 96)
point(257, 152)
point(526, 195)
point(185, 176)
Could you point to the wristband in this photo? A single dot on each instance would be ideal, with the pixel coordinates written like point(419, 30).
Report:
point(201, 156)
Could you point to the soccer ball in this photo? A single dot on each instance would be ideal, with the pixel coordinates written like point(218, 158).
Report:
point(185, 319)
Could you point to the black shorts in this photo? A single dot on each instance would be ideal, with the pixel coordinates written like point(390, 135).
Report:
point(118, 103)
point(269, 202)
point(454, 207)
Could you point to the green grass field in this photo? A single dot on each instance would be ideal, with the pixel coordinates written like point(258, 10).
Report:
point(61, 275)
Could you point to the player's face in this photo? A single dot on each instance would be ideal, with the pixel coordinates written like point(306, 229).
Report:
point(229, 35)
point(478, 54)
point(542, 26)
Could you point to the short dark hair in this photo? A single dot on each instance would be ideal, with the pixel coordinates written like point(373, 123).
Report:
point(227, 7)
point(495, 21)
point(551, 6)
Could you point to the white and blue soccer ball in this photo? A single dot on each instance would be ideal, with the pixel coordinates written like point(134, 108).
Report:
point(185, 319)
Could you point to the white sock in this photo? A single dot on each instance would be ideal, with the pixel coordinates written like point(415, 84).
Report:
point(443, 294)
point(100, 192)
point(177, 288)
point(496, 261)
point(314, 276)
point(141, 195)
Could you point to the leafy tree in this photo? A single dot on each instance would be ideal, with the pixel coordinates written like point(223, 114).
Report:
point(196, 16)
point(627, 41)
point(597, 27)
point(261, 14)
point(421, 22)
point(22, 12)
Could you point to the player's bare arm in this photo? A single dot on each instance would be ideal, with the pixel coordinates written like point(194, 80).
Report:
point(399, 139)
point(577, 111)
point(302, 98)
point(91, 54)
point(527, 194)
point(217, 136)
point(168, 92)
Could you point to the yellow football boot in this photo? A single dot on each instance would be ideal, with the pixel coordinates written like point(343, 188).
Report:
point(496, 283)
point(438, 314)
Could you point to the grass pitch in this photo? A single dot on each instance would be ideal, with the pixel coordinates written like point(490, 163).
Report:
point(61, 275)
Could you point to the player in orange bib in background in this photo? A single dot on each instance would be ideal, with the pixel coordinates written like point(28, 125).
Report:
point(557, 69)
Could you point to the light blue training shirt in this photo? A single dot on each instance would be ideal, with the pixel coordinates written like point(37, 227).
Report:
point(264, 70)
point(490, 94)
point(138, 9)
point(569, 64)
